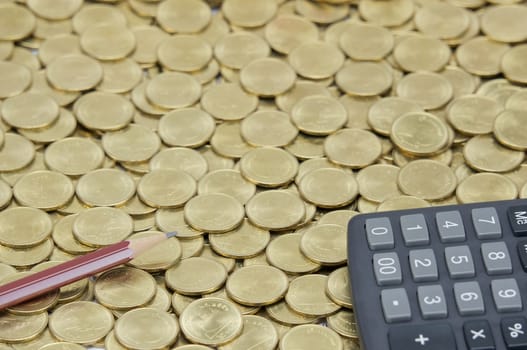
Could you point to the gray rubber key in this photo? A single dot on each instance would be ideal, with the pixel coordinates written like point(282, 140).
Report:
point(415, 230)
point(450, 226)
point(496, 258)
point(469, 299)
point(486, 222)
point(387, 269)
point(395, 305)
point(459, 262)
point(506, 295)
point(423, 265)
point(432, 302)
point(379, 233)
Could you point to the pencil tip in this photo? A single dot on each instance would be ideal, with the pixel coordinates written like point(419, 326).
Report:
point(171, 234)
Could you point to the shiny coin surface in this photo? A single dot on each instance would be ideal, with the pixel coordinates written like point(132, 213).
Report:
point(74, 156)
point(74, 73)
point(184, 53)
point(311, 335)
point(509, 128)
point(101, 226)
point(473, 114)
point(173, 90)
point(286, 32)
point(24, 227)
point(316, 60)
point(328, 187)
point(256, 330)
point(103, 111)
point(158, 258)
point(229, 182)
point(105, 187)
point(211, 321)
point(195, 276)
point(268, 128)
point(189, 127)
point(486, 187)
point(325, 244)
point(254, 77)
point(275, 210)
point(16, 152)
point(228, 101)
point(419, 133)
point(343, 322)
point(135, 143)
point(429, 90)
point(483, 153)
point(243, 242)
point(378, 182)
point(319, 115)
point(46, 190)
point(166, 188)
point(284, 253)
point(270, 287)
point(364, 78)
point(338, 287)
point(354, 148)
point(214, 212)
point(30, 110)
point(268, 166)
point(18, 328)
point(307, 295)
point(427, 179)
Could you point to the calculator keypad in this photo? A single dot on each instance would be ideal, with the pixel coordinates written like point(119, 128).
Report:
point(395, 305)
point(506, 295)
point(450, 226)
point(432, 301)
point(478, 335)
point(414, 230)
point(379, 233)
point(469, 299)
point(496, 258)
point(387, 269)
point(459, 262)
point(486, 223)
point(423, 265)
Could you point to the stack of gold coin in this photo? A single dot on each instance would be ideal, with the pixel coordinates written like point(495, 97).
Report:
point(256, 130)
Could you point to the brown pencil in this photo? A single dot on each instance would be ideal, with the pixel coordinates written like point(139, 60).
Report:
point(70, 271)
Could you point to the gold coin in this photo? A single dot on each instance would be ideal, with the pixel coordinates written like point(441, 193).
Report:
point(147, 39)
point(462, 81)
point(120, 76)
point(95, 14)
point(30, 110)
point(364, 78)
point(141, 102)
point(62, 346)
point(518, 101)
point(103, 111)
point(353, 148)
point(36, 164)
point(483, 153)
point(81, 322)
point(228, 101)
point(74, 156)
point(268, 167)
point(383, 113)
point(337, 217)
point(63, 236)
point(6, 270)
point(16, 152)
point(209, 253)
point(366, 206)
point(18, 328)
point(34, 305)
point(41, 340)
point(107, 41)
point(505, 23)
point(343, 322)
point(211, 321)
point(481, 56)
point(53, 10)
point(180, 302)
point(284, 253)
point(192, 347)
point(146, 328)
point(473, 114)
point(313, 164)
point(166, 188)
point(244, 242)
point(316, 60)
point(24, 227)
point(301, 89)
point(228, 182)
point(6, 49)
point(111, 342)
point(325, 244)
point(429, 90)
point(419, 134)
point(316, 336)
point(40, 84)
point(188, 16)
point(427, 179)
point(64, 126)
point(144, 222)
point(338, 288)
point(124, 287)
point(511, 64)
point(442, 20)
point(105, 187)
point(358, 108)
point(168, 220)
point(286, 32)
point(68, 292)
point(387, 13)
point(26, 58)
point(486, 187)
point(6, 194)
point(268, 128)
point(322, 13)
point(173, 90)
point(135, 206)
point(189, 127)
point(257, 330)
point(195, 276)
point(228, 142)
point(402, 202)
point(47, 190)
point(319, 115)
point(421, 53)
point(74, 72)
point(364, 42)
point(179, 158)
point(378, 182)
point(158, 258)
point(255, 77)
point(328, 187)
point(280, 312)
point(26, 257)
point(135, 143)
point(509, 129)
point(184, 53)
point(17, 22)
point(102, 226)
point(306, 147)
point(235, 50)
point(270, 287)
point(275, 210)
point(250, 14)
point(214, 212)
point(307, 295)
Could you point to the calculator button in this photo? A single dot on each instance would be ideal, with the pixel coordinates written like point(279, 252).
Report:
point(395, 305)
point(518, 220)
point(387, 269)
point(478, 335)
point(522, 252)
point(423, 265)
point(459, 262)
point(432, 301)
point(450, 226)
point(469, 299)
point(414, 229)
point(422, 337)
point(506, 295)
point(496, 258)
point(379, 233)
point(486, 222)
point(514, 331)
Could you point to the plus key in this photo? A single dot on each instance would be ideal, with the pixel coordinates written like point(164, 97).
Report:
point(429, 337)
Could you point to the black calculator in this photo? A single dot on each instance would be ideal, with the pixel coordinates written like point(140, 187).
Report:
point(441, 278)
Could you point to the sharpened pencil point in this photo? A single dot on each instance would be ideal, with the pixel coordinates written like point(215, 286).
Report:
point(171, 234)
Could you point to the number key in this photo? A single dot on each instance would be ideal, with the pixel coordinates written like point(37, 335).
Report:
point(450, 226)
point(496, 258)
point(432, 301)
point(379, 233)
point(414, 229)
point(387, 269)
point(469, 299)
point(459, 262)
point(506, 295)
point(423, 265)
point(486, 223)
